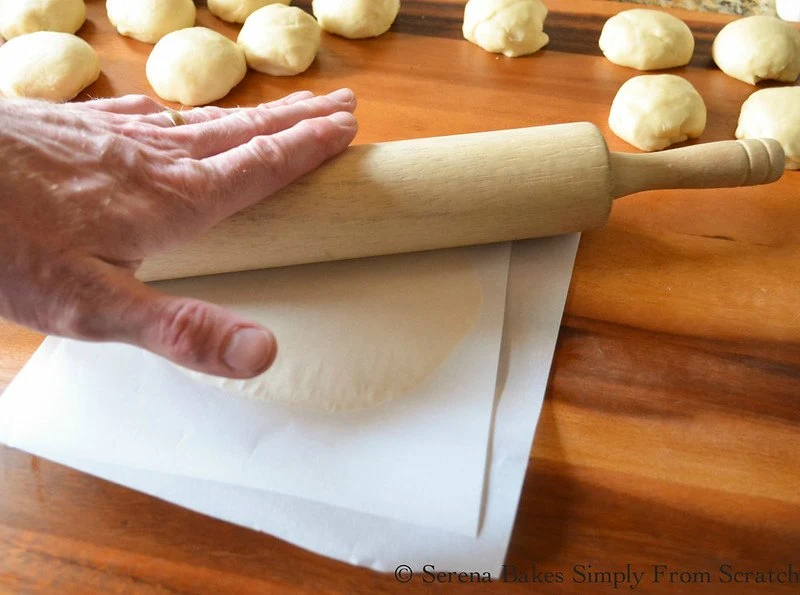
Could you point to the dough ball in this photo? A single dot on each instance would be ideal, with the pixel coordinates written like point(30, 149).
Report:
point(237, 11)
point(647, 40)
point(774, 113)
point(351, 334)
point(509, 27)
point(195, 66)
point(356, 19)
point(280, 40)
point(18, 17)
point(150, 20)
point(47, 65)
point(757, 48)
point(654, 111)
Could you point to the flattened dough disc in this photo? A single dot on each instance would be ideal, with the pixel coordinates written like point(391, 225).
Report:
point(351, 334)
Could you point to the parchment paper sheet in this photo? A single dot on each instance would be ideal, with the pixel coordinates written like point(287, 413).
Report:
point(420, 458)
point(538, 283)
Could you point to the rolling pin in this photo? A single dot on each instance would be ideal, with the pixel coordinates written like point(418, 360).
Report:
point(449, 191)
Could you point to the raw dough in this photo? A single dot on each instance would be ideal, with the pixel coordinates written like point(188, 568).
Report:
point(18, 17)
point(150, 20)
point(195, 66)
point(757, 48)
point(509, 27)
point(47, 65)
point(647, 40)
point(774, 113)
point(654, 111)
point(237, 11)
point(280, 40)
point(350, 334)
point(356, 19)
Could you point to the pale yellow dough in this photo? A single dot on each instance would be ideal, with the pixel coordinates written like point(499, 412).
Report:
point(509, 27)
point(758, 48)
point(351, 334)
point(237, 11)
point(356, 19)
point(647, 40)
point(280, 40)
point(150, 20)
point(47, 65)
point(654, 111)
point(774, 113)
point(195, 66)
point(19, 17)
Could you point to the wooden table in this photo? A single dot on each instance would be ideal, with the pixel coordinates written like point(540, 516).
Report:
point(671, 430)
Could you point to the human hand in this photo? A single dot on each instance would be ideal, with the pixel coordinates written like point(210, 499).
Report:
point(88, 190)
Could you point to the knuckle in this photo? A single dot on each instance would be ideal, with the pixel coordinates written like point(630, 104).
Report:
point(187, 331)
point(144, 102)
point(328, 104)
point(212, 111)
point(208, 113)
point(168, 192)
point(271, 153)
point(256, 120)
point(318, 129)
point(321, 133)
point(134, 129)
point(110, 148)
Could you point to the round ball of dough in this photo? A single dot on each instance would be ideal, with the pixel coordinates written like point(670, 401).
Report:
point(654, 111)
point(509, 27)
point(195, 66)
point(18, 17)
point(280, 40)
point(237, 11)
point(47, 65)
point(150, 20)
point(757, 48)
point(356, 19)
point(774, 113)
point(647, 40)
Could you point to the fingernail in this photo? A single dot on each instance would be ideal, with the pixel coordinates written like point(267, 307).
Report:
point(249, 350)
point(345, 119)
point(343, 96)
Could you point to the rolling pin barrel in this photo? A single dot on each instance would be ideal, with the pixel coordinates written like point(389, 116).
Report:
point(452, 191)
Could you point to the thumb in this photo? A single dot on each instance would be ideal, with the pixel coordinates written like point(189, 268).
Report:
point(201, 336)
point(189, 332)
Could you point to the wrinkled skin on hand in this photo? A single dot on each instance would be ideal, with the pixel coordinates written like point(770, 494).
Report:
point(88, 190)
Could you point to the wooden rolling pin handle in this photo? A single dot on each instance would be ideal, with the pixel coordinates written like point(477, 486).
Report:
point(723, 164)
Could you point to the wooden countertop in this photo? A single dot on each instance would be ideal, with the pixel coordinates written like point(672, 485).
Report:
point(671, 430)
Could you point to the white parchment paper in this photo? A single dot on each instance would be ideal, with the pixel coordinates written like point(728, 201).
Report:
point(418, 459)
point(537, 288)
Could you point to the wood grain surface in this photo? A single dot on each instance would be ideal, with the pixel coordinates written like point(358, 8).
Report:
point(671, 429)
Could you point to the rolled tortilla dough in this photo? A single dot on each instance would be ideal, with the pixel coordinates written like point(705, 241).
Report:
point(351, 334)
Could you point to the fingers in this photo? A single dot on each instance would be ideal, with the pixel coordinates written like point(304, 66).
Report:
point(199, 115)
point(252, 171)
point(127, 105)
point(155, 113)
point(189, 332)
point(224, 133)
